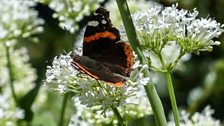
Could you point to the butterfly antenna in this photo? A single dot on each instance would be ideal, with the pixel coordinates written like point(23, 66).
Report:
point(101, 88)
point(98, 83)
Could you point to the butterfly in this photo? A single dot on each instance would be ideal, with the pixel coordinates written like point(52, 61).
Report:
point(105, 57)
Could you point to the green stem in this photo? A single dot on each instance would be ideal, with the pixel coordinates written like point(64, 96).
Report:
point(64, 103)
point(156, 105)
point(133, 40)
point(176, 61)
point(172, 98)
point(118, 115)
point(9, 65)
point(171, 91)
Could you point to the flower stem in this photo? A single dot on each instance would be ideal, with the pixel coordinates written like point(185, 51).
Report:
point(9, 65)
point(171, 91)
point(118, 115)
point(133, 40)
point(172, 98)
point(64, 103)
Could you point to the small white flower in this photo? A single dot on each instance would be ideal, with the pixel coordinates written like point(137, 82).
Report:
point(137, 64)
point(61, 88)
point(143, 80)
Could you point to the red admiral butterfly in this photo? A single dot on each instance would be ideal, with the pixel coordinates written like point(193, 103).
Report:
point(104, 55)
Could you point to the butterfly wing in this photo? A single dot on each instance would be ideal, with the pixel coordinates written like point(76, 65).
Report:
point(101, 43)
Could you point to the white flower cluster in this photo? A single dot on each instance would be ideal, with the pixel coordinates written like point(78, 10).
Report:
point(61, 73)
point(18, 19)
point(70, 12)
point(198, 119)
point(170, 33)
point(9, 114)
point(23, 74)
point(136, 106)
point(94, 99)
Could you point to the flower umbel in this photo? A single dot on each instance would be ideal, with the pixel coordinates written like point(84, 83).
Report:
point(158, 28)
point(95, 95)
point(18, 19)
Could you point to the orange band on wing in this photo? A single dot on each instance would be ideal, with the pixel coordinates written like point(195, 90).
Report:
point(84, 70)
point(129, 54)
point(117, 84)
point(96, 36)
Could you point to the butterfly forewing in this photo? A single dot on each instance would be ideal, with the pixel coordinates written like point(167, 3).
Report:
point(102, 46)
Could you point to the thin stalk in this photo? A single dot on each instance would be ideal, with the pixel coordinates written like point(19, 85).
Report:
point(176, 61)
point(172, 98)
point(11, 80)
point(171, 91)
point(118, 115)
point(64, 103)
point(133, 40)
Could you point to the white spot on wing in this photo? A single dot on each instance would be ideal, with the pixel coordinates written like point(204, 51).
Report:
point(103, 22)
point(93, 23)
point(95, 13)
